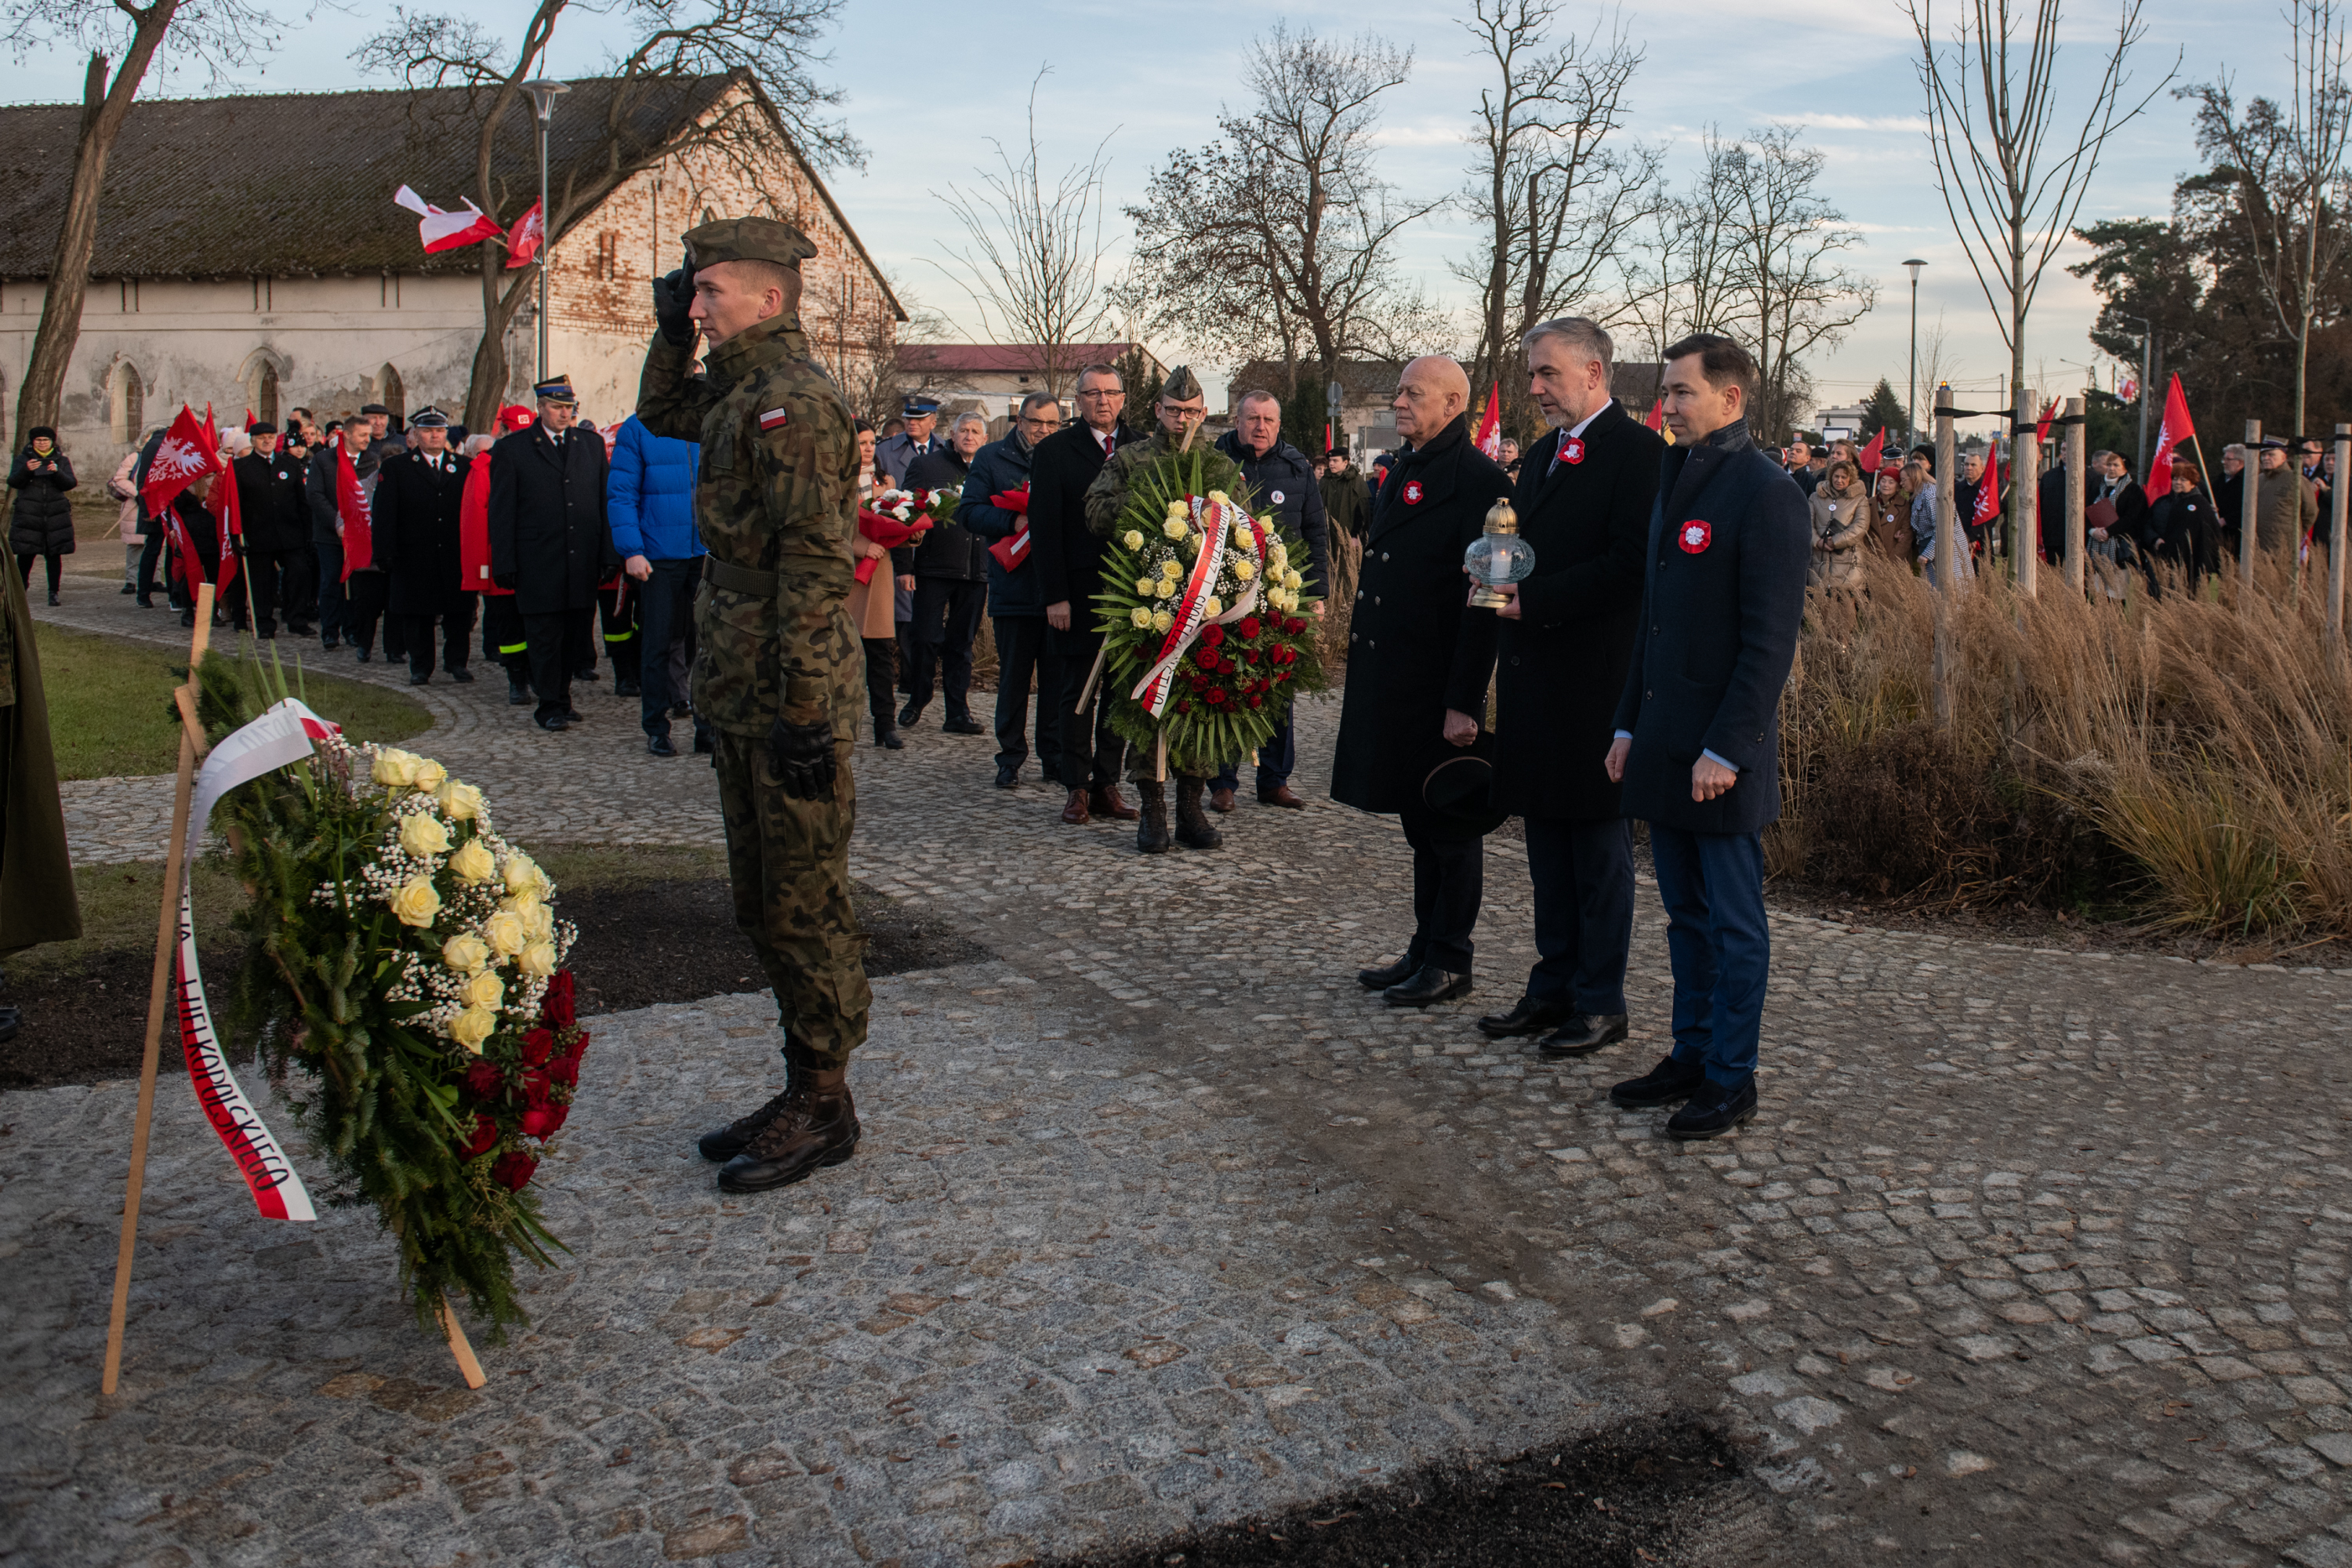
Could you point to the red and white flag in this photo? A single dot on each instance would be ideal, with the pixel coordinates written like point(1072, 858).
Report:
point(1490, 429)
point(2175, 429)
point(352, 506)
point(444, 230)
point(1873, 454)
point(1988, 492)
point(1656, 419)
point(524, 239)
point(2041, 425)
point(228, 523)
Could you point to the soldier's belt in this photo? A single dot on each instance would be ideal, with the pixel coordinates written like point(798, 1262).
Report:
point(738, 579)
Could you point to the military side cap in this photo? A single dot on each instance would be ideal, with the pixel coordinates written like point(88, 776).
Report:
point(428, 418)
point(747, 240)
point(1181, 384)
point(555, 389)
point(919, 407)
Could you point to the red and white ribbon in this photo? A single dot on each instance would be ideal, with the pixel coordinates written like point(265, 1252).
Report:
point(282, 735)
point(1215, 520)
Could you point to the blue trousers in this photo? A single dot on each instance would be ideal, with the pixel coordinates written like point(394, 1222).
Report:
point(1583, 876)
point(666, 610)
point(1713, 886)
point(1275, 758)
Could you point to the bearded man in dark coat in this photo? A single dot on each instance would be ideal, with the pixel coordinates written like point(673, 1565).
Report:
point(418, 496)
point(1584, 497)
point(1418, 662)
point(550, 545)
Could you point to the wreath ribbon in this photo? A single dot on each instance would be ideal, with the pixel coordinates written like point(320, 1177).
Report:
point(1216, 526)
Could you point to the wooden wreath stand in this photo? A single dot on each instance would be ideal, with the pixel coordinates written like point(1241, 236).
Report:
point(193, 747)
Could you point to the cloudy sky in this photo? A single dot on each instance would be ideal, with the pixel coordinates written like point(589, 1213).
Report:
point(928, 85)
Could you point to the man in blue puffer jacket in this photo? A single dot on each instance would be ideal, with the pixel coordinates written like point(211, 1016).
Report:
point(649, 502)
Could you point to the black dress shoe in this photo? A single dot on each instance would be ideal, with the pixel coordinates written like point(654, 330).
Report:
point(363, 656)
point(575, 716)
point(1430, 984)
point(1388, 974)
point(144, 603)
point(129, 588)
point(965, 726)
point(659, 746)
point(461, 675)
point(626, 687)
point(1528, 1018)
point(1714, 1110)
point(887, 740)
point(415, 679)
point(518, 694)
point(555, 722)
point(681, 711)
point(1007, 778)
point(1583, 1034)
point(1668, 1082)
point(909, 716)
point(591, 673)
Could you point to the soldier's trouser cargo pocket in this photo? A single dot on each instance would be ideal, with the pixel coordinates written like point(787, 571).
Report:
point(788, 863)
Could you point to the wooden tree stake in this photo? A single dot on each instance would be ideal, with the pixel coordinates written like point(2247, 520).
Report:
point(467, 1366)
point(159, 984)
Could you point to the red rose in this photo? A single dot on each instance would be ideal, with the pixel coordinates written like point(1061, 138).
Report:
point(541, 1121)
point(1185, 706)
point(1249, 627)
point(1255, 700)
point(485, 1138)
point(565, 1070)
point(1216, 697)
point(1294, 625)
point(514, 1170)
point(1212, 633)
point(536, 1045)
point(534, 1086)
point(557, 1009)
point(484, 1079)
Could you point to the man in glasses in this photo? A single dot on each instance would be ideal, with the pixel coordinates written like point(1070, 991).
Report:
point(1016, 594)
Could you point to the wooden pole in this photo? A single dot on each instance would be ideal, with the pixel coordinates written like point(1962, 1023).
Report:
point(2078, 569)
point(2249, 507)
point(1948, 559)
point(469, 1367)
point(2025, 498)
point(167, 934)
point(2339, 502)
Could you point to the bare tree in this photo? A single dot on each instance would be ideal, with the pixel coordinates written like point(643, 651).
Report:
point(1553, 197)
point(1033, 262)
point(1281, 236)
point(219, 32)
point(2012, 178)
point(2286, 164)
point(1783, 242)
point(697, 75)
point(1678, 276)
point(862, 353)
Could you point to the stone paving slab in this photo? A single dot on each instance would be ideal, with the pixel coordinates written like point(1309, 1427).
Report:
point(2032, 1257)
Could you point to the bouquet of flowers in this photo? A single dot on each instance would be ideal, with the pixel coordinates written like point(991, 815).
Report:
point(1200, 612)
point(919, 509)
point(408, 960)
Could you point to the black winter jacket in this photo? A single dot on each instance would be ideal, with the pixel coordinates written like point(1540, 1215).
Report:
point(270, 501)
point(1284, 482)
point(42, 520)
point(949, 549)
point(548, 541)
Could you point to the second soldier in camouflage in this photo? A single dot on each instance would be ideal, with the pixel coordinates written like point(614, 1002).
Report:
point(778, 666)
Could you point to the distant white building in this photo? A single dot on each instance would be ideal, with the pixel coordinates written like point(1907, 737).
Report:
point(991, 379)
point(1839, 424)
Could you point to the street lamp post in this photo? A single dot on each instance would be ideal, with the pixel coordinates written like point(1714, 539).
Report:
point(1911, 397)
point(543, 93)
point(2146, 339)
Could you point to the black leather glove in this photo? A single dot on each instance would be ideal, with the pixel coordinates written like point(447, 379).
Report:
point(673, 297)
point(803, 757)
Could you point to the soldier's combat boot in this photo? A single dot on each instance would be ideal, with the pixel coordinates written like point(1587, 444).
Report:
point(817, 1126)
point(735, 1137)
point(1193, 829)
point(1151, 826)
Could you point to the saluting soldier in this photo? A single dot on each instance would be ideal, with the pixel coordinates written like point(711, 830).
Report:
point(419, 494)
point(778, 668)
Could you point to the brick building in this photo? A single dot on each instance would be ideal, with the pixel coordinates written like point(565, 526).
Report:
point(249, 253)
point(992, 378)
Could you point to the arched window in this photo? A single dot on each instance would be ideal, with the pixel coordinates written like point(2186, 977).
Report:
point(390, 392)
point(127, 399)
point(264, 396)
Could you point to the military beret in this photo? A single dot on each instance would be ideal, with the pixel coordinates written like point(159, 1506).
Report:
point(1181, 385)
point(747, 240)
point(428, 418)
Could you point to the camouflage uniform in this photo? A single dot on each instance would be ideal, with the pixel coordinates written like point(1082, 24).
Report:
point(776, 499)
point(1107, 498)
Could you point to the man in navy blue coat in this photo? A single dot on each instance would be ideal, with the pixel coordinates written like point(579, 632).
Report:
point(1698, 741)
point(1016, 599)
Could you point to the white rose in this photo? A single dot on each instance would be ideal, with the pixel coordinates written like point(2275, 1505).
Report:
point(1212, 607)
point(538, 960)
point(1170, 569)
point(1165, 587)
point(422, 834)
point(1178, 511)
point(1244, 569)
point(396, 768)
point(538, 922)
point(1161, 620)
point(460, 802)
point(472, 863)
point(430, 776)
point(417, 904)
point(1140, 617)
point(505, 933)
point(1145, 584)
point(472, 1026)
point(1175, 528)
point(522, 871)
point(1132, 539)
point(484, 990)
point(464, 953)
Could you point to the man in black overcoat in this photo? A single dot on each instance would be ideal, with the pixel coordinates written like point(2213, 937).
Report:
point(275, 514)
point(950, 565)
point(418, 494)
point(1699, 727)
point(549, 543)
point(1584, 498)
point(1418, 662)
point(1067, 559)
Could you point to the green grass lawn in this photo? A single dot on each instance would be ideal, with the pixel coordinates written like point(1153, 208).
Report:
point(110, 713)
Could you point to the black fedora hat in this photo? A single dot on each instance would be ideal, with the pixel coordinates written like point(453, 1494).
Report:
point(1460, 788)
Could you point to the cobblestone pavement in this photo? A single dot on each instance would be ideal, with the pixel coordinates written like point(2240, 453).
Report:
point(2032, 1257)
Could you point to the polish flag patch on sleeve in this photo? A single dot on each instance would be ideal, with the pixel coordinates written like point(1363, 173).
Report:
point(774, 419)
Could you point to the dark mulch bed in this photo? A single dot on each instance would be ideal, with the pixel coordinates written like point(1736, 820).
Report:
point(640, 942)
point(1620, 1497)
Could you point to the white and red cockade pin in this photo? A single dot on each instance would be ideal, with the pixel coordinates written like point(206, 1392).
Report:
point(1572, 450)
point(1413, 492)
point(774, 419)
point(1695, 536)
